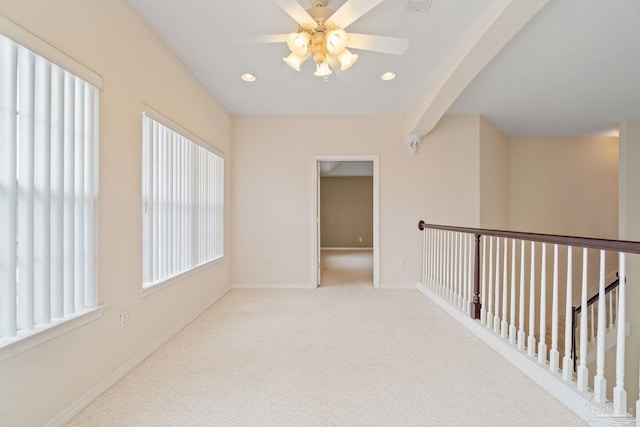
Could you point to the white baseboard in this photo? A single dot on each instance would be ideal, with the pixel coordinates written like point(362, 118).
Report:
point(74, 409)
point(551, 382)
point(397, 286)
point(361, 248)
point(273, 286)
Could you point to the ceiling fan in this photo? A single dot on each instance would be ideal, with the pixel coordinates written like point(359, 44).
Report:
point(321, 34)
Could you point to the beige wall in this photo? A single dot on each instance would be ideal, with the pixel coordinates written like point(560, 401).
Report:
point(274, 173)
point(107, 37)
point(494, 177)
point(346, 212)
point(629, 213)
point(555, 181)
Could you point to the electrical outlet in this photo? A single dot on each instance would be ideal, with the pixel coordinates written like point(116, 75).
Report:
point(403, 262)
point(124, 318)
point(360, 239)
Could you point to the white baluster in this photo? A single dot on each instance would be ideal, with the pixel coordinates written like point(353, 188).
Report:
point(567, 361)
point(439, 254)
point(610, 298)
point(512, 321)
point(483, 293)
point(444, 264)
point(600, 382)
point(592, 323)
point(449, 267)
point(521, 333)
point(460, 270)
point(554, 355)
point(468, 290)
point(583, 371)
point(470, 269)
point(463, 271)
point(490, 279)
point(436, 261)
point(619, 394)
point(542, 345)
point(496, 311)
point(455, 263)
point(427, 257)
point(504, 326)
point(531, 345)
point(424, 256)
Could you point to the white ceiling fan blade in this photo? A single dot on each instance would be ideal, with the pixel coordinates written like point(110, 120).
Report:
point(266, 38)
point(297, 12)
point(392, 45)
point(351, 11)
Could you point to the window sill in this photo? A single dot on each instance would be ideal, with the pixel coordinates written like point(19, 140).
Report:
point(10, 347)
point(158, 286)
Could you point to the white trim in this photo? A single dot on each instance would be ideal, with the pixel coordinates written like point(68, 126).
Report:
point(23, 37)
point(397, 286)
point(164, 283)
point(168, 122)
point(553, 383)
point(74, 409)
point(369, 249)
point(273, 286)
point(376, 209)
point(27, 340)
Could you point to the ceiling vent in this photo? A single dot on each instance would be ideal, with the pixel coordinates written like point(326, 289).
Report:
point(416, 6)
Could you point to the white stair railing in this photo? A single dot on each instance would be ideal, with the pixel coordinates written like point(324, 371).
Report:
point(492, 287)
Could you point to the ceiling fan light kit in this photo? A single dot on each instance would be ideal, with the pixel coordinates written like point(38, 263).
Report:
point(321, 35)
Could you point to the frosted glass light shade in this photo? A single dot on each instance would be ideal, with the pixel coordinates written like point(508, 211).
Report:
point(336, 41)
point(294, 61)
point(323, 69)
point(347, 59)
point(298, 43)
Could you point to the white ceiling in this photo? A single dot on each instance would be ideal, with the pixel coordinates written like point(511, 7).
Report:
point(570, 72)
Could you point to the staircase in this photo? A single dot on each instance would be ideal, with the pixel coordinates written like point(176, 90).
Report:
point(507, 288)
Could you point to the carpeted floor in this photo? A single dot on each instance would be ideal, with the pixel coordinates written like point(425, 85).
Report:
point(344, 354)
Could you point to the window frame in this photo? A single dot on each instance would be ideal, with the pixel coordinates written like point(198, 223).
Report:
point(150, 287)
point(26, 339)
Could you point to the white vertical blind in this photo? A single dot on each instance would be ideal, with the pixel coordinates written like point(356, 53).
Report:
point(183, 201)
point(26, 67)
point(48, 132)
point(42, 193)
point(8, 186)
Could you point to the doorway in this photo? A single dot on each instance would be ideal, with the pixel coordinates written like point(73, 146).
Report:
point(346, 243)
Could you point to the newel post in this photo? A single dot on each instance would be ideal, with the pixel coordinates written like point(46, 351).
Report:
point(475, 303)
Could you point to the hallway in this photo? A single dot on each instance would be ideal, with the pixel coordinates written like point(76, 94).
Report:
point(347, 267)
point(339, 355)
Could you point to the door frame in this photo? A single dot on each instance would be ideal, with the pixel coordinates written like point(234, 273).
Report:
point(315, 211)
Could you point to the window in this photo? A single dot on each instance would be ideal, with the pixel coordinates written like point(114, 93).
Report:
point(183, 197)
point(48, 192)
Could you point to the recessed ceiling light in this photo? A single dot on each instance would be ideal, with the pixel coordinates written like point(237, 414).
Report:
point(389, 75)
point(247, 77)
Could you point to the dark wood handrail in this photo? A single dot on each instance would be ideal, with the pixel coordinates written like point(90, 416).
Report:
point(582, 242)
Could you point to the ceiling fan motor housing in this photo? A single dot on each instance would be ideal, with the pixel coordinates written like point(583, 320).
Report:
point(319, 11)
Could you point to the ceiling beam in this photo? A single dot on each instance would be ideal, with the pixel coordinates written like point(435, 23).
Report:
point(500, 25)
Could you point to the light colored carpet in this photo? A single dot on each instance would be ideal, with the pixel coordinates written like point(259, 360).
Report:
point(340, 355)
